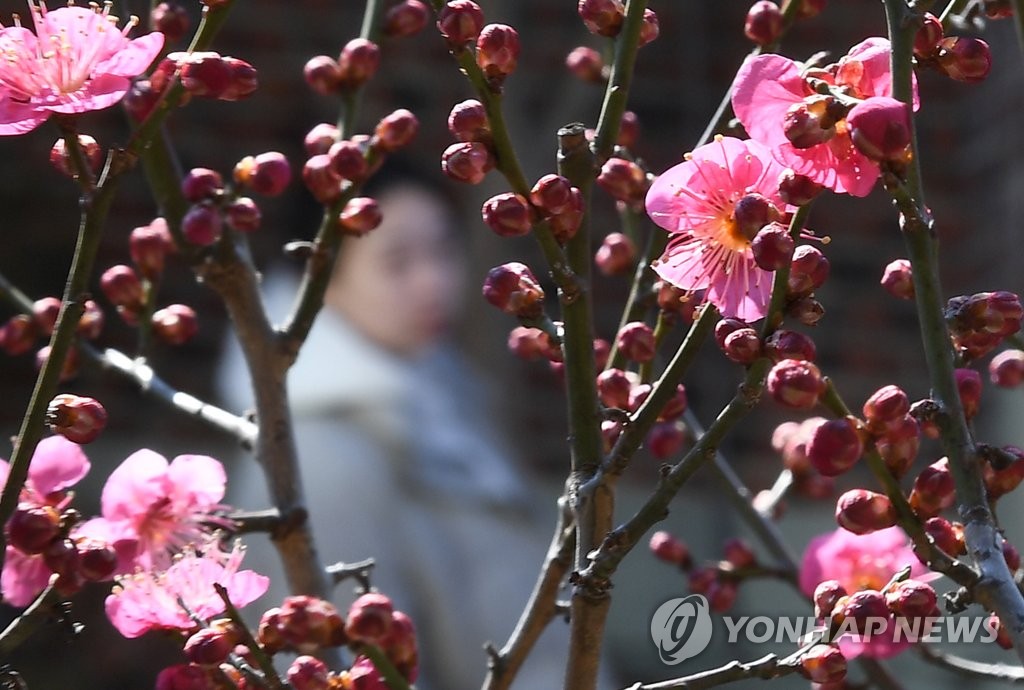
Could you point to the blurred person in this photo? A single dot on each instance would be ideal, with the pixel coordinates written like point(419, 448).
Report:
point(400, 457)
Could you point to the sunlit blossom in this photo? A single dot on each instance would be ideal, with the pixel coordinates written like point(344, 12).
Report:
point(77, 60)
point(696, 202)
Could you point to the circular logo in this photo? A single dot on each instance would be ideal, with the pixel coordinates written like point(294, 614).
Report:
point(681, 628)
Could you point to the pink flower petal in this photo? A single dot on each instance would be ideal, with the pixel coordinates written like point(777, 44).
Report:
point(765, 88)
point(98, 93)
point(24, 577)
point(135, 58)
point(744, 296)
point(197, 480)
point(683, 265)
point(134, 486)
point(57, 464)
point(19, 118)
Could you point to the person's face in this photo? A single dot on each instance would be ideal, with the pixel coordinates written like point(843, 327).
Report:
point(400, 284)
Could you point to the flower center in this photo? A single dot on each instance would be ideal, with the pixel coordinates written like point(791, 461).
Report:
point(751, 213)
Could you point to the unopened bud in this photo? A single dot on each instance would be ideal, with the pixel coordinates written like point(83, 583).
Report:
point(122, 286)
point(45, 312)
point(358, 62)
point(203, 73)
point(77, 418)
point(616, 255)
point(552, 194)
point(243, 81)
point(71, 362)
point(1007, 368)
point(467, 121)
point(323, 74)
point(899, 444)
point(808, 123)
point(308, 673)
point(806, 310)
point(586, 64)
point(149, 246)
point(209, 646)
point(926, 40)
point(964, 58)
point(508, 215)
point(826, 595)
point(200, 184)
point(32, 527)
point(945, 535)
point(752, 212)
point(497, 52)
point(602, 17)
point(968, 384)
point(60, 157)
point(738, 553)
point(863, 512)
point(742, 346)
point(468, 162)
point(514, 289)
point(636, 341)
point(321, 138)
point(171, 19)
point(624, 180)
point(835, 446)
point(407, 18)
point(665, 439)
point(797, 189)
point(320, 178)
point(396, 131)
point(809, 270)
point(202, 224)
point(795, 384)
point(670, 549)
point(823, 664)
point(530, 343)
point(764, 22)
point(460, 22)
point(810, 8)
point(613, 388)
point(772, 247)
point(898, 279)
point(783, 344)
point(175, 324)
point(880, 128)
point(267, 173)
point(886, 408)
point(911, 599)
point(860, 607)
point(243, 215)
point(360, 215)
point(369, 618)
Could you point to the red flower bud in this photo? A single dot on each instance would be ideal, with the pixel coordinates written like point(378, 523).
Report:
point(508, 215)
point(564, 224)
point(141, 99)
point(97, 560)
point(1012, 556)
point(320, 178)
point(586, 64)
point(806, 310)
point(171, 19)
point(497, 52)
point(202, 224)
point(407, 18)
point(664, 440)
point(772, 247)
point(358, 62)
point(629, 130)
point(613, 388)
point(795, 384)
point(552, 194)
point(1003, 480)
point(863, 512)
point(753, 212)
point(809, 270)
point(468, 162)
point(823, 664)
point(797, 189)
point(616, 255)
point(739, 553)
point(203, 73)
point(636, 341)
point(531, 343)
point(898, 279)
point(764, 22)
point(122, 286)
point(360, 215)
point(209, 646)
point(90, 325)
point(676, 405)
point(60, 157)
point(886, 408)
point(880, 128)
point(602, 17)
point(649, 27)
point(175, 324)
point(18, 335)
point(267, 173)
point(243, 215)
point(323, 74)
point(860, 607)
point(200, 184)
point(964, 58)
point(669, 549)
point(308, 673)
point(460, 22)
point(968, 384)
point(149, 246)
point(809, 123)
point(32, 527)
point(45, 312)
point(76, 418)
point(911, 599)
point(899, 445)
point(926, 41)
point(243, 81)
point(321, 138)
point(468, 121)
point(784, 344)
point(396, 131)
point(514, 289)
point(835, 446)
point(742, 346)
point(1007, 368)
point(946, 536)
point(369, 618)
point(624, 180)
point(826, 595)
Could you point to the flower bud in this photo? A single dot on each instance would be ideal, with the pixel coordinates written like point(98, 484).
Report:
point(753, 212)
point(772, 247)
point(468, 162)
point(468, 121)
point(97, 560)
point(1007, 368)
point(826, 595)
point(676, 405)
point(497, 52)
point(899, 444)
point(669, 549)
point(964, 58)
point(208, 646)
point(616, 255)
point(140, 100)
point(586, 64)
point(460, 22)
point(320, 178)
point(18, 335)
point(1012, 556)
point(552, 194)
point(122, 286)
point(32, 527)
point(170, 19)
point(738, 553)
point(358, 62)
point(861, 607)
point(71, 362)
point(514, 289)
point(308, 673)
point(175, 324)
point(880, 128)
point(202, 224)
point(508, 215)
point(926, 41)
point(863, 512)
point(886, 408)
point(243, 215)
point(665, 439)
point(933, 490)
point(532, 343)
point(810, 8)
point(360, 215)
point(566, 223)
point(835, 446)
point(45, 312)
point(797, 189)
point(60, 157)
point(302, 624)
point(369, 618)
point(806, 310)
point(203, 73)
point(795, 384)
point(701, 579)
point(76, 418)
point(674, 300)
point(911, 599)
point(602, 17)
point(149, 246)
point(809, 270)
point(200, 184)
point(898, 279)
point(267, 173)
point(90, 325)
point(784, 344)
point(742, 346)
point(636, 341)
point(823, 664)
point(764, 22)
point(244, 80)
point(613, 388)
point(323, 74)
point(629, 130)
point(650, 28)
point(968, 384)
point(722, 595)
point(946, 535)
point(624, 180)
point(321, 138)
point(808, 123)
point(407, 18)
point(638, 395)
point(1002, 480)
point(396, 131)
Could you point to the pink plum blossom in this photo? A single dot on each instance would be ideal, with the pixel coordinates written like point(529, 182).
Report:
point(860, 562)
point(696, 202)
point(162, 507)
point(77, 60)
point(767, 87)
point(56, 465)
point(169, 600)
